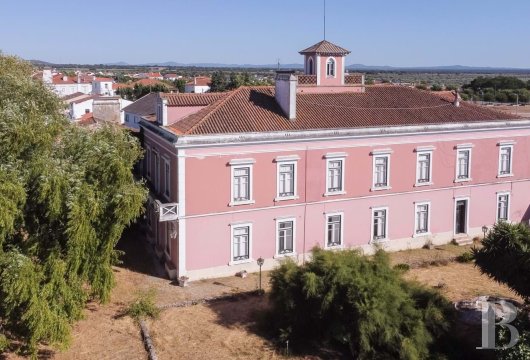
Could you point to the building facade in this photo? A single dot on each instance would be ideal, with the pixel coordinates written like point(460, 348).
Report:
point(323, 160)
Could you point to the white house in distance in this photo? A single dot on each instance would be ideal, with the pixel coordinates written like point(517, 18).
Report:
point(199, 85)
point(102, 86)
point(140, 109)
point(64, 85)
point(172, 77)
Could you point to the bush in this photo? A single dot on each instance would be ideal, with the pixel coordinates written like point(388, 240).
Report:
point(402, 267)
point(4, 343)
point(465, 257)
point(521, 351)
point(144, 306)
point(345, 298)
point(505, 256)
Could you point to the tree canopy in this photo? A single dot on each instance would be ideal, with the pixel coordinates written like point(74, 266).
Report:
point(66, 195)
point(346, 298)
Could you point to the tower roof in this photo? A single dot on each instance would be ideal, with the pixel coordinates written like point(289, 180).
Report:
point(325, 48)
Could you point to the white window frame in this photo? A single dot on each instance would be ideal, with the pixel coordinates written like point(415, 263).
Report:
point(505, 145)
point(459, 149)
point(234, 226)
point(334, 75)
point(499, 194)
point(386, 238)
point(428, 232)
point(468, 208)
point(148, 165)
point(326, 217)
point(287, 160)
point(240, 163)
point(167, 178)
point(420, 152)
point(377, 154)
point(335, 157)
point(282, 220)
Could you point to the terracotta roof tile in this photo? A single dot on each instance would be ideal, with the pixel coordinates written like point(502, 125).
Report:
point(325, 47)
point(182, 99)
point(146, 105)
point(200, 81)
point(254, 109)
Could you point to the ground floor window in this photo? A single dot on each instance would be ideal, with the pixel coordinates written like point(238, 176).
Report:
point(334, 230)
point(422, 218)
point(379, 224)
point(503, 202)
point(285, 237)
point(241, 243)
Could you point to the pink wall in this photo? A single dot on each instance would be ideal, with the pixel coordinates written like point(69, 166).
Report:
point(337, 80)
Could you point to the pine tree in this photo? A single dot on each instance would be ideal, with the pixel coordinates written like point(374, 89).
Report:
point(66, 195)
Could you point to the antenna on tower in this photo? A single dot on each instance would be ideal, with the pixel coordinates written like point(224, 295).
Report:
point(278, 63)
point(324, 19)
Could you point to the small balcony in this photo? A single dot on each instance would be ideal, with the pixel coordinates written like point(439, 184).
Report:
point(164, 211)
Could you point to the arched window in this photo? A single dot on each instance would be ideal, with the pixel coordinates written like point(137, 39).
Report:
point(330, 67)
point(310, 66)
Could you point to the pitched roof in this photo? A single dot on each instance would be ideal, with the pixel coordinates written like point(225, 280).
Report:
point(254, 109)
point(101, 79)
point(325, 48)
point(200, 81)
point(186, 99)
point(146, 105)
point(73, 96)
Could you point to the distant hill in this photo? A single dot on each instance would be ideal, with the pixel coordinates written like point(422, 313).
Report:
point(448, 68)
point(40, 63)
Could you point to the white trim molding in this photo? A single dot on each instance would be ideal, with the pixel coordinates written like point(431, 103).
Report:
point(181, 190)
point(334, 157)
point(498, 195)
point(372, 234)
point(287, 160)
point(381, 154)
point(282, 220)
point(460, 149)
point(327, 215)
point(502, 146)
point(240, 225)
point(418, 172)
point(428, 232)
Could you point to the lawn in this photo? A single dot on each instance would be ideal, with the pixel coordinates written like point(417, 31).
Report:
point(228, 329)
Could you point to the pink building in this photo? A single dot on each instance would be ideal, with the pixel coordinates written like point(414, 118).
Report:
point(323, 160)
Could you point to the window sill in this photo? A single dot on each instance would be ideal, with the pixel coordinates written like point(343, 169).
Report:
point(335, 193)
point(237, 203)
point(239, 262)
point(333, 247)
point(504, 175)
point(419, 235)
point(287, 255)
point(284, 198)
point(424, 184)
point(378, 188)
point(379, 241)
point(463, 180)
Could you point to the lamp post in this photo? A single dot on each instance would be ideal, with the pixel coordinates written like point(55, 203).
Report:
point(260, 262)
point(484, 230)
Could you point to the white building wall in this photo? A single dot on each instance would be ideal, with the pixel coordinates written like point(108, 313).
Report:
point(79, 109)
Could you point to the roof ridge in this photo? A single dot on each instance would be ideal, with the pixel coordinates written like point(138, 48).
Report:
point(215, 106)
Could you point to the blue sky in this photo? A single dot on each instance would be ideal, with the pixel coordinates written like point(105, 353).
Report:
point(378, 32)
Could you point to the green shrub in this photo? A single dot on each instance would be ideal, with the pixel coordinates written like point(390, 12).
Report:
point(521, 350)
point(4, 343)
point(363, 303)
point(465, 257)
point(505, 256)
point(144, 306)
point(402, 267)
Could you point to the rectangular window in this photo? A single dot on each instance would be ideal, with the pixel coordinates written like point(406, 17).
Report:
point(241, 184)
point(156, 159)
point(285, 237)
point(422, 218)
point(381, 171)
point(423, 170)
point(462, 164)
point(167, 178)
point(335, 176)
point(505, 160)
point(286, 180)
point(241, 243)
point(148, 163)
point(334, 230)
point(503, 206)
point(379, 224)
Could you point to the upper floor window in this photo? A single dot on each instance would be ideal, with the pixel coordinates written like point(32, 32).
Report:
point(241, 182)
point(381, 169)
point(330, 67)
point(463, 163)
point(167, 179)
point(335, 173)
point(286, 177)
point(310, 69)
point(148, 162)
point(505, 159)
point(424, 168)
point(503, 206)
point(334, 230)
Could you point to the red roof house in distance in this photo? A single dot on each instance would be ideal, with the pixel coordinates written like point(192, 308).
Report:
point(321, 159)
point(199, 85)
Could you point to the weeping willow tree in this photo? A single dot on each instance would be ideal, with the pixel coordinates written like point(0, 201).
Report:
point(66, 195)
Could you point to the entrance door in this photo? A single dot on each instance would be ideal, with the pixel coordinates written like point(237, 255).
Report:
point(461, 217)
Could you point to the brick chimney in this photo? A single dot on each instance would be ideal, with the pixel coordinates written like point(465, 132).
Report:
point(285, 94)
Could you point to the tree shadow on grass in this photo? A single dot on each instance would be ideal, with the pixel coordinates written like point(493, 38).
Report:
point(252, 313)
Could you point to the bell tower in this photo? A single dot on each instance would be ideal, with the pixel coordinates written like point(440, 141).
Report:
point(327, 61)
